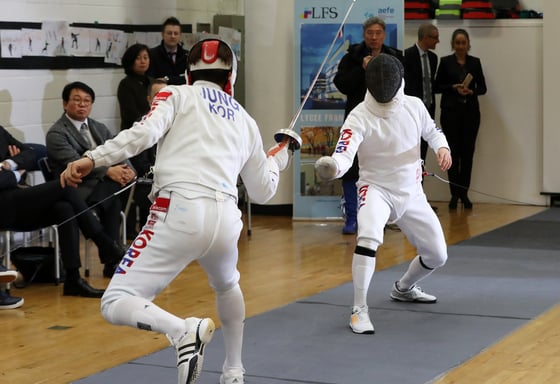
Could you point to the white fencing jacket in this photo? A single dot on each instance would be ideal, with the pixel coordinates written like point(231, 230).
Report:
point(386, 138)
point(205, 139)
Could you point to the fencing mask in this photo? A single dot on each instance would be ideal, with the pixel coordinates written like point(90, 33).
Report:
point(212, 55)
point(384, 74)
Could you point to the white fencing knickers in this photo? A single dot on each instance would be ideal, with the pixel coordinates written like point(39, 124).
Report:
point(182, 227)
point(414, 216)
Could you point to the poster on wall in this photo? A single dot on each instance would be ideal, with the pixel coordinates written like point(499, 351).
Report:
point(321, 40)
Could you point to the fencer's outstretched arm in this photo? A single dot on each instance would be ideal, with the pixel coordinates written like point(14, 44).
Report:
point(261, 173)
point(75, 171)
point(332, 167)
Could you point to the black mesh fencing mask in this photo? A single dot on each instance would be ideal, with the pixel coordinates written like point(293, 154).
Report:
point(384, 74)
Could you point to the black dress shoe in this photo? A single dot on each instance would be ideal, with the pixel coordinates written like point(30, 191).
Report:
point(115, 253)
point(109, 269)
point(466, 202)
point(110, 251)
point(81, 288)
point(453, 202)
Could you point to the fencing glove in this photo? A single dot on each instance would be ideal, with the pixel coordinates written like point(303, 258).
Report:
point(326, 167)
point(279, 153)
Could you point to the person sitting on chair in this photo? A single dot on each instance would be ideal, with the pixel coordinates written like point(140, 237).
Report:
point(69, 138)
point(43, 205)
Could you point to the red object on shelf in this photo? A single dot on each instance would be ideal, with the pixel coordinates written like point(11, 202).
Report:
point(416, 15)
point(416, 5)
point(478, 14)
point(476, 4)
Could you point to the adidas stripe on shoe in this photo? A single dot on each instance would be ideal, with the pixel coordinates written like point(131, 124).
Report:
point(190, 348)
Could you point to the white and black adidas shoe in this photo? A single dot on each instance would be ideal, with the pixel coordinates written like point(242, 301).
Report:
point(190, 348)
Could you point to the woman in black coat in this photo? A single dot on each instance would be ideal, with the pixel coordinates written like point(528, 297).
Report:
point(460, 80)
point(132, 95)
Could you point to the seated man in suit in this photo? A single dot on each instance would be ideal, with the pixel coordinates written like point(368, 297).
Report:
point(67, 140)
point(43, 205)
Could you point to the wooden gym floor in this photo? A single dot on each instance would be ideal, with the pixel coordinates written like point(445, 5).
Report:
point(58, 339)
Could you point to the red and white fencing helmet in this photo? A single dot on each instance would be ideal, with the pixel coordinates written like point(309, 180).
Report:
point(212, 55)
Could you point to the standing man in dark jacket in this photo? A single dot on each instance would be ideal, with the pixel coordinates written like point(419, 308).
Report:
point(419, 79)
point(350, 80)
point(168, 60)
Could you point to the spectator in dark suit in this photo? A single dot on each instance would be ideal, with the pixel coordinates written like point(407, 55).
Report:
point(350, 80)
point(43, 205)
point(460, 112)
point(168, 60)
point(418, 77)
point(68, 139)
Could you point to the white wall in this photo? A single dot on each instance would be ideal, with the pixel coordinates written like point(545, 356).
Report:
point(30, 100)
point(508, 156)
point(270, 75)
point(536, 5)
point(551, 133)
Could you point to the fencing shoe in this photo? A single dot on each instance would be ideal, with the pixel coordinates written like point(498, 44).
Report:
point(232, 376)
point(414, 295)
point(360, 322)
point(190, 348)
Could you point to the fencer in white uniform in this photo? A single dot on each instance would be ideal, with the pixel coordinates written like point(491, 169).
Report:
point(385, 132)
point(205, 140)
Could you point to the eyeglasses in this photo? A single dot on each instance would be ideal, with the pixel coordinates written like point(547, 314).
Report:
point(436, 37)
point(374, 33)
point(78, 101)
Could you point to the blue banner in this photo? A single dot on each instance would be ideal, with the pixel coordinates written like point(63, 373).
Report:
point(319, 28)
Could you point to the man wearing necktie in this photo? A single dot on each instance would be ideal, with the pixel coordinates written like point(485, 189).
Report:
point(84, 130)
point(68, 139)
point(168, 60)
point(420, 65)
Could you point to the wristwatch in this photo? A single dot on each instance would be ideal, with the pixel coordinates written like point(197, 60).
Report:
point(89, 155)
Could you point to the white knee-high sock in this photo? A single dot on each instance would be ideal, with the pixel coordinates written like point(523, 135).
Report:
point(416, 272)
point(363, 268)
point(143, 314)
point(231, 310)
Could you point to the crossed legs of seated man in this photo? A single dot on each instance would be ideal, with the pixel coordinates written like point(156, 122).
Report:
point(419, 223)
point(109, 215)
point(47, 204)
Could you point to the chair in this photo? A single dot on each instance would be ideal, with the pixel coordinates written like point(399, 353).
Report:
point(243, 197)
point(53, 242)
point(45, 168)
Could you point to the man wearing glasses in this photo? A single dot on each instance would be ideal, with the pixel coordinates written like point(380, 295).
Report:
point(420, 65)
point(67, 140)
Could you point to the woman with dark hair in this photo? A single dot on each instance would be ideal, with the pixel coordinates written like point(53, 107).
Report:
point(133, 101)
point(133, 89)
point(460, 80)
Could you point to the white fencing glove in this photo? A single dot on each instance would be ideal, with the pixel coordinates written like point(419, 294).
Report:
point(279, 153)
point(326, 167)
